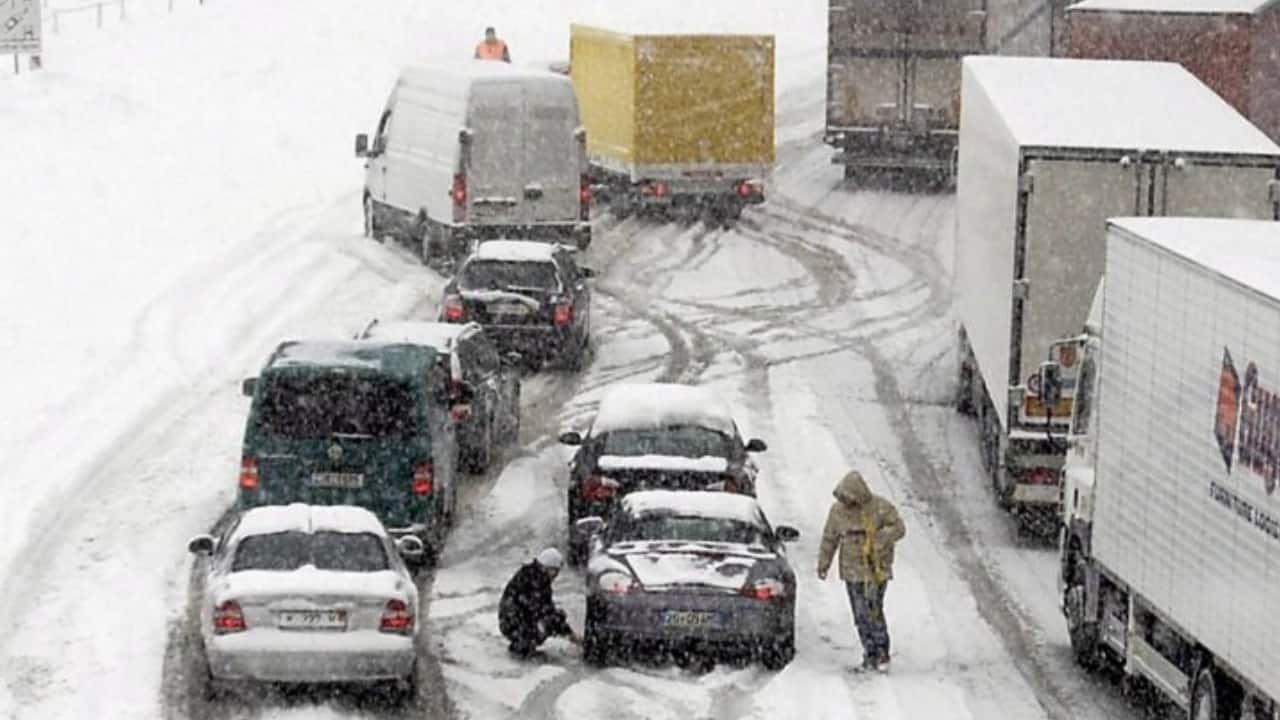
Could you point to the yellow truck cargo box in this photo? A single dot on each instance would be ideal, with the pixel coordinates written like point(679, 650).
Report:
point(674, 104)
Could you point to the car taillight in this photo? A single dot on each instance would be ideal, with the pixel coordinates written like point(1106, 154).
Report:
point(1040, 476)
point(249, 479)
point(564, 314)
point(767, 589)
point(423, 479)
point(459, 191)
point(453, 309)
point(584, 198)
point(616, 583)
point(397, 618)
point(599, 487)
point(228, 618)
point(658, 189)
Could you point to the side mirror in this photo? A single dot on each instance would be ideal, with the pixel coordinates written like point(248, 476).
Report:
point(589, 526)
point(571, 438)
point(756, 445)
point(786, 533)
point(587, 272)
point(249, 386)
point(580, 134)
point(411, 547)
point(201, 545)
point(1050, 384)
point(465, 136)
point(362, 145)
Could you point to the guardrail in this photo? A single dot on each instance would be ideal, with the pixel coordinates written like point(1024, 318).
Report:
point(53, 15)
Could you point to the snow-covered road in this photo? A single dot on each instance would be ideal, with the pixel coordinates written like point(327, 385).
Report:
point(824, 318)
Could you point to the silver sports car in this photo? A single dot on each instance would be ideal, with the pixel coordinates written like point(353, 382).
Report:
point(308, 594)
point(689, 571)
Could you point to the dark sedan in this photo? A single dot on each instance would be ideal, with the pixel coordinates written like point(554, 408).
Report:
point(691, 572)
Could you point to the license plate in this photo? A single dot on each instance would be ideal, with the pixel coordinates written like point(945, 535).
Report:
point(346, 481)
point(312, 620)
point(690, 618)
point(509, 309)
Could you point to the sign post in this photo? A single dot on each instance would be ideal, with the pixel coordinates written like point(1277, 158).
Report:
point(19, 28)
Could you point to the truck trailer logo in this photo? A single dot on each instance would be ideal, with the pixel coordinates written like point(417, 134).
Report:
point(1248, 423)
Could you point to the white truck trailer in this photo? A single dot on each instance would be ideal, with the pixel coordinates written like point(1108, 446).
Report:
point(1171, 530)
point(1049, 149)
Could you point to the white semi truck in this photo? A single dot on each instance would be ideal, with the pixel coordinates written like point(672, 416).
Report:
point(1049, 149)
point(1170, 544)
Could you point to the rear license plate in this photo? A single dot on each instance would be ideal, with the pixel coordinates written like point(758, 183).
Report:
point(509, 309)
point(690, 618)
point(312, 620)
point(336, 480)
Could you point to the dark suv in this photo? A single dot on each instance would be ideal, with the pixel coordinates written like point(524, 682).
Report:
point(492, 418)
point(655, 436)
point(531, 297)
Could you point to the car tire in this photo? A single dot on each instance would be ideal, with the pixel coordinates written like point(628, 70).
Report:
point(477, 459)
point(371, 229)
point(779, 653)
point(595, 647)
point(403, 692)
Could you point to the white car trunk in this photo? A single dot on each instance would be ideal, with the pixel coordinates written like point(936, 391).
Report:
point(308, 599)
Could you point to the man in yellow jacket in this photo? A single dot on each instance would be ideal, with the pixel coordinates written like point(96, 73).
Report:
point(864, 527)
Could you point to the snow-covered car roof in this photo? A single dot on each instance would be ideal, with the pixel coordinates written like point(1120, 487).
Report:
point(299, 517)
point(1112, 104)
point(392, 357)
point(1190, 7)
point(1246, 251)
point(636, 406)
point(438, 335)
point(676, 463)
point(517, 251)
point(694, 503)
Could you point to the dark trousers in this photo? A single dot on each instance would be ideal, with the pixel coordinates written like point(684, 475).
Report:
point(867, 601)
point(526, 635)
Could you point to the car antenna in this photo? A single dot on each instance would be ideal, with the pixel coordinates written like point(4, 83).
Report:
point(365, 332)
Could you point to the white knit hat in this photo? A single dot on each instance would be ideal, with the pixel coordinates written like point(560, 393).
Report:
point(550, 558)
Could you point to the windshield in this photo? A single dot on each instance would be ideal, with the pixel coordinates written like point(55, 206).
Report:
point(508, 275)
point(687, 528)
point(683, 441)
point(345, 552)
point(329, 405)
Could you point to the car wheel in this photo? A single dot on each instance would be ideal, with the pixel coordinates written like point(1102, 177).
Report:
point(371, 229)
point(426, 251)
point(595, 647)
point(403, 692)
point(779, 653)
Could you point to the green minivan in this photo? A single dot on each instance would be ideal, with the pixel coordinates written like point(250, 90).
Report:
point(354, 423)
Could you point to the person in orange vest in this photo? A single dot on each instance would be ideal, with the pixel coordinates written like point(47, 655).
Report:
point(491, 48)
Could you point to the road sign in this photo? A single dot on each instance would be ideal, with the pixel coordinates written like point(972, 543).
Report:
point(20, 26)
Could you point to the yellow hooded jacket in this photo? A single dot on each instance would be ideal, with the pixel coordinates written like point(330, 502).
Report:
point(865, 527)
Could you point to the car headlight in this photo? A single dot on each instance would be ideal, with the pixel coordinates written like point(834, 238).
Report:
point(616, 583)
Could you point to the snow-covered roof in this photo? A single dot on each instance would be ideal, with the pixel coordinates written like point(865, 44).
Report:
point(379, 355)
point(694, 503)
point(1247, 251)
point(710, 463)
point(438, 335)
point(1112, 104)
point(475, 70)
point(517, 251)
point(308, 518)
point(634, 406)
point(1197, 7)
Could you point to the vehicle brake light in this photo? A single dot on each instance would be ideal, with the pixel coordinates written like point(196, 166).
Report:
point(459, 191)
point(228, 618)
point(767, 589)
point(453, 309)
point(747, 189)
point(1040, 476)
point(249, 479)
point(658, 189)
point(423, 479)
point(584, 198)
point(397, 618)
point(564, 314)
point(616, 583)
point(599, 487)
point(460, 412)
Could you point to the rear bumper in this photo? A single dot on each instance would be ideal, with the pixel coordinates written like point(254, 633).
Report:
point(1028, 495)
point(536, 341)
point(742, 622)
point(890, 147)
point(576, 234)
point(278, 656)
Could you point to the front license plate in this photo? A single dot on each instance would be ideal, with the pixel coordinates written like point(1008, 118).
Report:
point(347, 481)
point(509, 309)
point(312, 620)
point(690, 618)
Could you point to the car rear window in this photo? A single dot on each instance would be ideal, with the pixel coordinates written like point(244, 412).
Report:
point(686, 528)
point(337, 405)
point(346, 552)
point(509, 275)
point(680, 441)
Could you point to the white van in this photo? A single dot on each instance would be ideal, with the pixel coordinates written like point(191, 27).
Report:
point(477, 150)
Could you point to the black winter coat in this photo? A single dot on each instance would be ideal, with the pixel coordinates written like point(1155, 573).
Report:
point(527, 602)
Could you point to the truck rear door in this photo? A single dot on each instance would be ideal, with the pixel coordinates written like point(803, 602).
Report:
point(496, 165)
point(867, 64)
point(937, 37)
point(1209, 187)
point(552, 157)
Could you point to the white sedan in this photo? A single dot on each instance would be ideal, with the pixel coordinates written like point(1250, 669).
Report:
point(309, 594)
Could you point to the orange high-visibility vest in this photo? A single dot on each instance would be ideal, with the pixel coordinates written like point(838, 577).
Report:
point(492, 51)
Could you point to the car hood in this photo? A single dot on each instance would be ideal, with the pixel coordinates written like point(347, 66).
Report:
point(307, 581)
point(707, 464)
point(664, 565)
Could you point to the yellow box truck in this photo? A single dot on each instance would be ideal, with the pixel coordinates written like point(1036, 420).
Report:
point(675, 120)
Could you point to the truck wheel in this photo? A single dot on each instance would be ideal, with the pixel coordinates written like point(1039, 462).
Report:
point(1083, 631)
point(371, 229)
point(1209, 701)
point(964, 390)
point(426, 250)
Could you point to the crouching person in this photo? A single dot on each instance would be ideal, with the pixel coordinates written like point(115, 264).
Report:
point(527, 613)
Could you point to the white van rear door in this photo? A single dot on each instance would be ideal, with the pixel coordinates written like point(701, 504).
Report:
point(552, 157)
point(496, 167)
